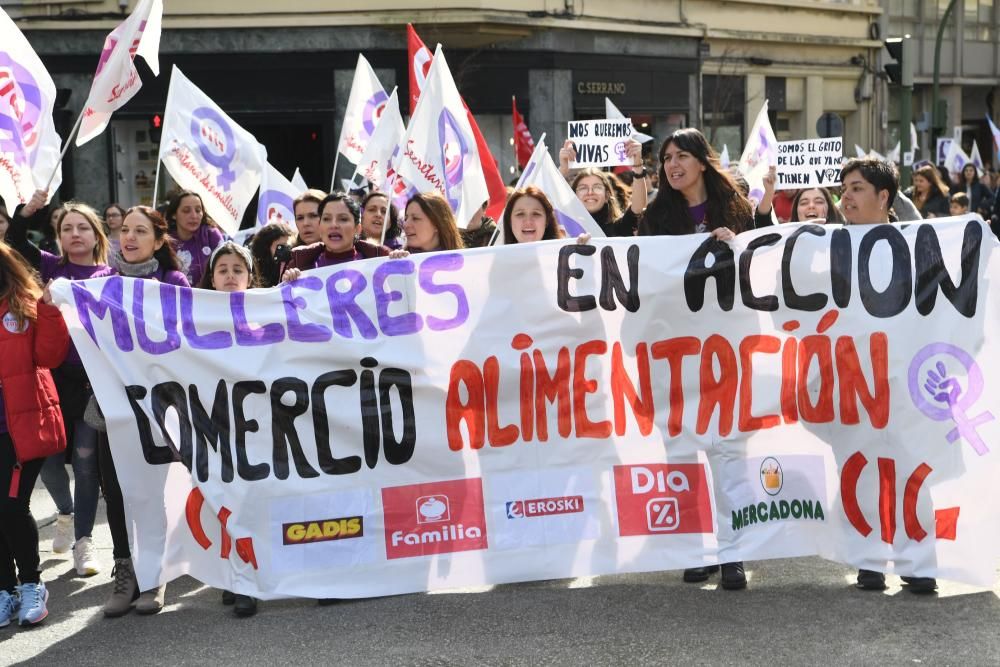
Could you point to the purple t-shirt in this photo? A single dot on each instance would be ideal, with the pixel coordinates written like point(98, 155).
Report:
point(51, 269)
point(196, 251)
point(698, 215)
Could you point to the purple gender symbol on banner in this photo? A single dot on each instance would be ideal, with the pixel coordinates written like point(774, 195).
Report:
point(274, 199)
point(18, 135)
point(216, 153)
point(940, 397)
point(572, 227)
point(450, 137)
point(373, 111)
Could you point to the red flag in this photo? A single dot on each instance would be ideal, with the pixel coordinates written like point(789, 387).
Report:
point(524, 145)
point(420, 64)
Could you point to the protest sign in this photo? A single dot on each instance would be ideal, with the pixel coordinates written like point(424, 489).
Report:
point(600, 143)
point(388, 426)
point(809, 163)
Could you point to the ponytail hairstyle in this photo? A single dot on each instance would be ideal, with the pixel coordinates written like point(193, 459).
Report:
point(668, 212)
point(18, 286)
point(165, 255)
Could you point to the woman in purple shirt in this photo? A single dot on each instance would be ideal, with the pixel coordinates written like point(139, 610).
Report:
point(146, 252)
point(85, 249)
point(339, 227)
point(195, 234)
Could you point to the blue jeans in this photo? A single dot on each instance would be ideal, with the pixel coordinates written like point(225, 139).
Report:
point(85, 475)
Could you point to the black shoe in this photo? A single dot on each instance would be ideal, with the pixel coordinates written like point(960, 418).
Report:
point(696, 575)
point(326, 602)
point(920, 585)
point(245, 605)
point(869, 580)
point(228, 597)
point(734, 577)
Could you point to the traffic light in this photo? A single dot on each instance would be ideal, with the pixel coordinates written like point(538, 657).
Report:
point(155, 127)
point(901, 50)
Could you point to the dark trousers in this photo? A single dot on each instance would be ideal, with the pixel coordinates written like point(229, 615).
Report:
point(113, 498)
point(18, 530)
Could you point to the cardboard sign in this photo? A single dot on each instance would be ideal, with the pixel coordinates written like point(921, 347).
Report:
point(600, 143)
point(809, 163)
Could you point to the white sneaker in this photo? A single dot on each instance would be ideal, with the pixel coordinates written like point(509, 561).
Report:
point(63, 540)
point(84, 559)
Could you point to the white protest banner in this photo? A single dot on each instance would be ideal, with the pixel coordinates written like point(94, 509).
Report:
point(438, 151)
point(364, 109)
point(116, 80)
point(600, 143)
point(373, 165)
point(388, 426)
point(759, 155)
point(29, 144)
point(611, 111)
point(809, 163)
point(206, 151)
point(542, 172)
point(274, 203)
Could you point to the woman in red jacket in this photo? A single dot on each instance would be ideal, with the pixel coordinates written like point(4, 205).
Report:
point(33, 339)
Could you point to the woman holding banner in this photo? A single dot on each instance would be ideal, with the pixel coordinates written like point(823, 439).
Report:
point(430, 225)
point(339, 226)
point(147, 253)
point(696, 195)
point(33, 339)
point(85, 248)
point(195, 234)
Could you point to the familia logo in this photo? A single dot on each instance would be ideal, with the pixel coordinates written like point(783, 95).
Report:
point(20, 110)
point(526, 509)
point(772, 481)
point(325, 530)
point(434, 518)
point(215, 142)
point(661, 498)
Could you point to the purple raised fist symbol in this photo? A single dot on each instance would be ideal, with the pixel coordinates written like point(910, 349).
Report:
point(942, 395)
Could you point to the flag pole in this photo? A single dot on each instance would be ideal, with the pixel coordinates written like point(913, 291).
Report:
point(156, 181)
point(65, 148)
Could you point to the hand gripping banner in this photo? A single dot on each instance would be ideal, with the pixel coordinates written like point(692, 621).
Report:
point(555, 410)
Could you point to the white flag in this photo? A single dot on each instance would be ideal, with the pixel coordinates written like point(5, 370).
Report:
point(724, 158)
point(859, 151)
point(976, 158)
point(206, 151)
point(374, 163)
point(438, 150)
point(116, 80)
point(611, 111)
point(274, 203)
point(570, 212)
point(29, 145)
point(299, 182)
point(364, 109)
point(995, 131)
point(760, 153)
point(956, 159)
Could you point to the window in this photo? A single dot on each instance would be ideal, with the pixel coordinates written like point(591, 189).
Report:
point(979, 24)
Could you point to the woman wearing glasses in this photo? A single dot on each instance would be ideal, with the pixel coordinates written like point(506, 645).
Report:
point(593, 187)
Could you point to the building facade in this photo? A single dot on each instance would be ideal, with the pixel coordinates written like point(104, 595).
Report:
point(284, 71)
point(969, 66)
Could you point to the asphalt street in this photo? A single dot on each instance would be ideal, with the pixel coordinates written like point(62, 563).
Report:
point(802, 611)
